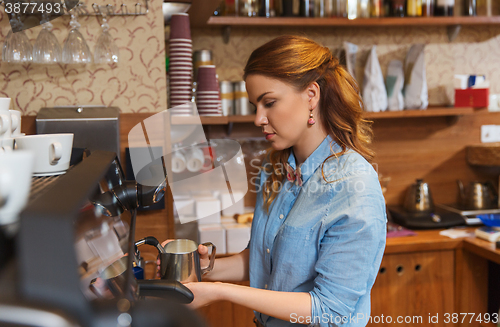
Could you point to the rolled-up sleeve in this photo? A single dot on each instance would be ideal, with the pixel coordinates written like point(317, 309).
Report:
point(350, 253)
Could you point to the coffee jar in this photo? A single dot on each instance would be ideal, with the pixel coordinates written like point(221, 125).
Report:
point(241, 104)
point(227, 97)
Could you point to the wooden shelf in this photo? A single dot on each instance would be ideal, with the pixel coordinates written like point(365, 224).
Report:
point(386, 21)
point(431, 112)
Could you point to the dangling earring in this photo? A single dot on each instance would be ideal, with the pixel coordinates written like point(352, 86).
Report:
point(311, 120)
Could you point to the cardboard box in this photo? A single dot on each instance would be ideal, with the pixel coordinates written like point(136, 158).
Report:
point(214, 233)
point(237, 237)
point(184, 206)
point(208, 210)
point(476, 98)
point(228, 207)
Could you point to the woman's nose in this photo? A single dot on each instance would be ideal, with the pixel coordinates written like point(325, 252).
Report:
point(260, 118)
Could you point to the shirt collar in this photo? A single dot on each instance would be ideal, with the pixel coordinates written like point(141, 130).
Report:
point(308, 167)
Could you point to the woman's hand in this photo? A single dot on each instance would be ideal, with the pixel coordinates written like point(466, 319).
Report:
point(204, 293)
point(204, 258)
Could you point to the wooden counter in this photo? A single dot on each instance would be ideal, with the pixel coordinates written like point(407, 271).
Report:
point(425, 240)
point(420, 276)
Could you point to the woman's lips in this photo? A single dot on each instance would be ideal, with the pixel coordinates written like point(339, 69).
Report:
point(269, 135)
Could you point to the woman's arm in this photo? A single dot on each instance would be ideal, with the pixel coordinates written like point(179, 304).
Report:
point(228, 269)
point(282, 305)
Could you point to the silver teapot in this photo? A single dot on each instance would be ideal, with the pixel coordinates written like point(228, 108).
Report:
point(418, 198)
point(477, 195)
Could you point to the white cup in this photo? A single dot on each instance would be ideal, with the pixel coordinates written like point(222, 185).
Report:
point(6, 145)
point(16, 168)
point(52, 152)
point(194, 159)
point(178, 161)
point(5, 129)
point(15, 122)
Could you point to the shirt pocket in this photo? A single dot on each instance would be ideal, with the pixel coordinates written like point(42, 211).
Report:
point(294, 253)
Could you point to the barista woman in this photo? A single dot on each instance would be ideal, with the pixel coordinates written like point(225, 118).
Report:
point(319, 227)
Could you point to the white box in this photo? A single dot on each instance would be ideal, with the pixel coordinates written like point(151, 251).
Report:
point(227, 220)
point(214, 233)
point(184, 206)
point(230, 209)
point(208, 210)
point(211, 219)
point(490, 133)
point(237, 237)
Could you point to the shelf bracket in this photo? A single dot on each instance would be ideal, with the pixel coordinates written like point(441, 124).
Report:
point(226, 33)
point(452, 120)
point(229, 128)
point(453, 31)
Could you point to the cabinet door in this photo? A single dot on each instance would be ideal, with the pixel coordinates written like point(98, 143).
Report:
point(414, 288)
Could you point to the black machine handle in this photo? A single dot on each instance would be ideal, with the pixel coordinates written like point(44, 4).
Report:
point(170, 289)
point(150, 240)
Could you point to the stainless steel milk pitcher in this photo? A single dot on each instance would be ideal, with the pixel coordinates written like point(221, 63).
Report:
point(180, 261)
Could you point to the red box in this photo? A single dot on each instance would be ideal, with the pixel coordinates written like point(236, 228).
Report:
point(476, 98)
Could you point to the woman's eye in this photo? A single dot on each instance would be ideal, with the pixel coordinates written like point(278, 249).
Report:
point(269, 104)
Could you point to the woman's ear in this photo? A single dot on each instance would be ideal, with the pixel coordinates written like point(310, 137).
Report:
point(313, 92)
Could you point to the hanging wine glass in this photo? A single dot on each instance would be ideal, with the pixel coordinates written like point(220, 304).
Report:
point(46, 49)
point(75, 49)
point(17, 47)
point(105, 50)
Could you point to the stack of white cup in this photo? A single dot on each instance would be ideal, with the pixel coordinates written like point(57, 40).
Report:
point(16, 168)
point(23, 156)
point(190, 158)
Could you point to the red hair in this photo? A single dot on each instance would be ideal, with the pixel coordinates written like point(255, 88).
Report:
point(299, 61)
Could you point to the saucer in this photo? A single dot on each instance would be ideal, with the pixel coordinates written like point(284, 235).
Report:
point(54, 173)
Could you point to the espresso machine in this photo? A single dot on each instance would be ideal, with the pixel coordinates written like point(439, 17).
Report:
point(73, 227)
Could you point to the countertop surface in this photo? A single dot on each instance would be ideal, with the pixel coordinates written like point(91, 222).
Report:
point(430, 240)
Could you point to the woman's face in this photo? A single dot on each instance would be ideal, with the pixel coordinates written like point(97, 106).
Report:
point(282, 111)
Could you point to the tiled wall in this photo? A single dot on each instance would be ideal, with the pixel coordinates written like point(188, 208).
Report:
point(136, 84)
point(475, 51)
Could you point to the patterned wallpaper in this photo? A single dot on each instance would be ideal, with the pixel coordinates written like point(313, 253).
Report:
point(475, 51)
point(137, 83)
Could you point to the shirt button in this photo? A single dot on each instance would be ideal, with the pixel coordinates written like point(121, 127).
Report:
point(267, 250)
point(265, 286)
point(281, 216)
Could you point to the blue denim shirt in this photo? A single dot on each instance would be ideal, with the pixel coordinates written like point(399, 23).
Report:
point(323, 238)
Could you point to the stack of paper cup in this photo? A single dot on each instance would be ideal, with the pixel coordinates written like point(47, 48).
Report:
point(181, 65)
point(208, 99)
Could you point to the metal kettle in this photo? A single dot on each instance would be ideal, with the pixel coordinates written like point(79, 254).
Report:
point(477, 195)
point(418, 198)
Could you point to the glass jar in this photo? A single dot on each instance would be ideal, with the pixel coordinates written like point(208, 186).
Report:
point(427, 8)
point(414, 8)
point(444, 7)
point(340, 8)
point(398, 8)
point(352, 9)
point(470, 8)
point(249, 8)
point(364, 8)
point(376, 9)
point(306, 8)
